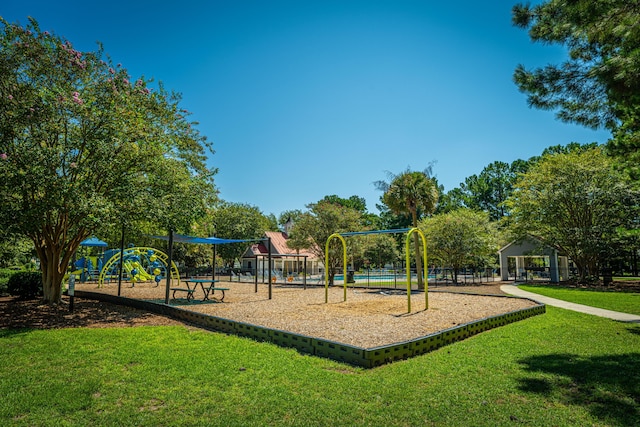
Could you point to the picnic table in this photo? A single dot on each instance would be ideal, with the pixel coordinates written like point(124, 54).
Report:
point(208, 287)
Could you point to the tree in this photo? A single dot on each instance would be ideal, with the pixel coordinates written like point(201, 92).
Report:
point(272, 222)
point(359, 204)
point(354, 202)
point(381, 249)
point(575, 201)
point(237, 221)
point(289, 215)
point(490, 189)
point(15, 251)
point(599, 85)
point(83, 146)
point(314, 227)
point(572, 147)
point(286, 221)
point(487, 191)
point(451, 200)
point(413, 193)
point(389, 220)
point(461, 238)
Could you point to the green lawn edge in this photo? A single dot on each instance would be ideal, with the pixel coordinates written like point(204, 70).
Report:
point(624, 302)
point(561, 368)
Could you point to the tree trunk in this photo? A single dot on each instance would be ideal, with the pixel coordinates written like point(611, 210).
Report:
point(52, 275)
point(587, 268)
point(52, 287)
point(55, 254)
point(334, 266)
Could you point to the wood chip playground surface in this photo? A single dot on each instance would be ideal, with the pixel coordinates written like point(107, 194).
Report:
point(368, 318)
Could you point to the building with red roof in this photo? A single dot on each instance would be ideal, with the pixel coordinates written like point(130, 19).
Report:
point(284, 260)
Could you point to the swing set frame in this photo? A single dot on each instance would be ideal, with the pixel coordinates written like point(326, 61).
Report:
point(409, 231)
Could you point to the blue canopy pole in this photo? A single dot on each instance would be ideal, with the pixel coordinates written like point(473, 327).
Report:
point(304, 273)
point(256, 274)
point(169, 264)
point(121, 259)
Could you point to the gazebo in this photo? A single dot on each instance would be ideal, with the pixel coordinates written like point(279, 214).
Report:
point(529, 258)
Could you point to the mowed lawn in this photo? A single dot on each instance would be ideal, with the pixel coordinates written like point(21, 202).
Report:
point(558, 369)
point(625, 302)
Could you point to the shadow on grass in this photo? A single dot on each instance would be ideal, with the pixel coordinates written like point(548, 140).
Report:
point(608, 386)
point(6, 332)
point(27, 315)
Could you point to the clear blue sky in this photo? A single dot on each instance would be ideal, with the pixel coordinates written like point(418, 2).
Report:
point(303, 99)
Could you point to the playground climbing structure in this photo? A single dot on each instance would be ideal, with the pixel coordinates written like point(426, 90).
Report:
point(140, 264)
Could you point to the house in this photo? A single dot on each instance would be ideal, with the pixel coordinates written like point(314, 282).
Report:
point(284, 260)
point(531, 259)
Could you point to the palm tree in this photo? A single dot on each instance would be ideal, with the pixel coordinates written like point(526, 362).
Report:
point(414, 193)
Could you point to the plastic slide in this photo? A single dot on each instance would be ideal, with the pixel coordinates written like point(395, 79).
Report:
point(136, 271)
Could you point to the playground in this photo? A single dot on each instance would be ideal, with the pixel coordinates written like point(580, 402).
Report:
point(140, 264)
point(369, 318)
point(356, 316)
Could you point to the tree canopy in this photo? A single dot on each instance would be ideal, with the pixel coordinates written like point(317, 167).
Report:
point(237, 221)
point(84, 145)
point(599, 84)
point(460, 238)
point(413, 193)
point(321, 220)
point(379, 250)
point(490, 189)
point(575, 201)
point(356, 203)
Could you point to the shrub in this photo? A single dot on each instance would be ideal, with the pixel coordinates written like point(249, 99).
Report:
point(5, 273)
point(25, 284)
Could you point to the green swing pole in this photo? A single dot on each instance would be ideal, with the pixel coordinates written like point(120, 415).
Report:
point(408, 261)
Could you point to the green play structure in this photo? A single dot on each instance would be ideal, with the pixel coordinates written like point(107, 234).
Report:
point(140, 264)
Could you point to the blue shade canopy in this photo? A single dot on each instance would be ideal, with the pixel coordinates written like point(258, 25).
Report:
point(181, 238)
point(94, 242)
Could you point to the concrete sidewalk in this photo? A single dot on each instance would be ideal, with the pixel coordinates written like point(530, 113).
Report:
point(615, 315)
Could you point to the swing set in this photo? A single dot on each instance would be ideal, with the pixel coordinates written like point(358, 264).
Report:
point(409, 231)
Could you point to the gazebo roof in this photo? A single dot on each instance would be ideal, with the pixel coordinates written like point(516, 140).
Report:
point(525, 246)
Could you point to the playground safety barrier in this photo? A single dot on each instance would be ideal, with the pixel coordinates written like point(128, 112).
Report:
point(357, 356)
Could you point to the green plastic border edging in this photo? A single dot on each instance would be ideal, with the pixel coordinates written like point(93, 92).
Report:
point(357, 356)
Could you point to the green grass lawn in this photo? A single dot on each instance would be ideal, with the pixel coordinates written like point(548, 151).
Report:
point(626, 278)
point(625, 302)
point(558, 369)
